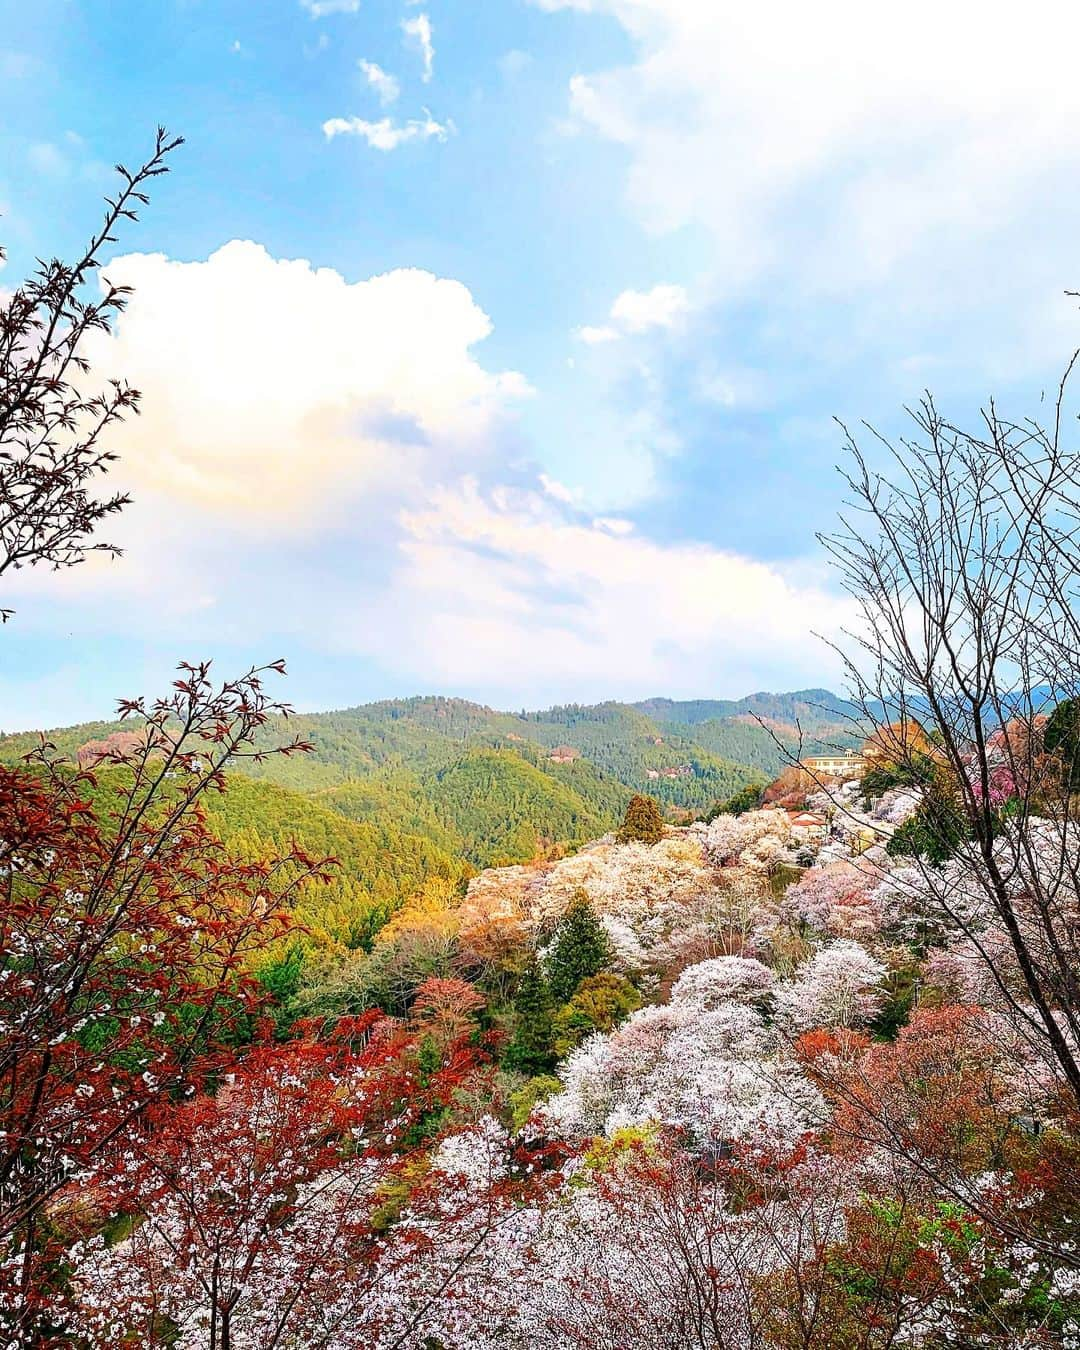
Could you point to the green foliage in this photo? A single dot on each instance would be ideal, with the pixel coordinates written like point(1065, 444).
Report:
point(642, 822)
point(892, 1016)
point(531, 1049)
point(934, 831)
point(522, 1101)
point(394, 971)
point(601, 1003)
point(606, 1151)
point(505, 808)
point(580, 948)
point(619, 745)
point(1062, 738)
point(921, 771)
point(281, 980)
point(379, 866)
point(746, 799)
point(815, 710)
point(488, 806)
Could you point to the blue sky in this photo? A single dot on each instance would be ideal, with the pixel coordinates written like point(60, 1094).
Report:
point(493, 348)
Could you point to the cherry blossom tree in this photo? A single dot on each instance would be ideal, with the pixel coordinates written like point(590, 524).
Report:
point(711, 983)
point(645, 1247)
point(716, 1074)
point(837, 899)
point(754, 838)
point(297, 1206)
point(837, 987)
point(947, 1114)
point(127, 937)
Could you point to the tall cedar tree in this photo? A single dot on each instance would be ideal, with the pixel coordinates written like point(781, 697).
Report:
point(580, 948)
point(531, 1050)
point(642, 822)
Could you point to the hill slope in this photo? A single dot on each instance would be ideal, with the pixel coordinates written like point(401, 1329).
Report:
point(405, 789)
point(382, 864)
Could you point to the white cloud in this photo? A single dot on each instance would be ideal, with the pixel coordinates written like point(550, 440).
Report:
point(277, 393)
point(833, 150)
point(558, 490)
point(509, 585)
point(311, 464)
point(513, 62)
point(638, 312)
point(319, 9)
point(386, 134)
point(418, 32)
point(384, 84)
point(595, 335)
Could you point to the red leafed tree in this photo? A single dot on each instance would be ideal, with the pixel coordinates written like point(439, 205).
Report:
point(295, 1207)
point(447, 1008)
point(126, 934)
point(51, 426)
point(958, 1097)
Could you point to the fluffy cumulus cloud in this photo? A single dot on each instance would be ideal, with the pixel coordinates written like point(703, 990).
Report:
point(277, 391)
point(848, 146)
point(638, 312)
point(330, 462)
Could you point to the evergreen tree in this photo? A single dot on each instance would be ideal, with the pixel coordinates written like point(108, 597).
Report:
point(746, 799)
point(1062, 737)
point(642, 821)
point(579, 949)
point(531, 1050)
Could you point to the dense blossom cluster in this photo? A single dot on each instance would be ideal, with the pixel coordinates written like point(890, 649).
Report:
point(737, 1107)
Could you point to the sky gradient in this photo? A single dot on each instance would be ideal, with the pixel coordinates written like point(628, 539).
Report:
point(495, 348)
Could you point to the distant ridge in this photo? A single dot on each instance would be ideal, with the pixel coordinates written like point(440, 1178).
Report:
point(688, 753)
point(811, 708)
point(432, 786)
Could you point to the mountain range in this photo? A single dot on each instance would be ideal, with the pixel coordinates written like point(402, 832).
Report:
point(407, 789)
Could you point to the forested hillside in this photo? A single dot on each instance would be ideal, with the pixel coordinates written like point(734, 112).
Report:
point(688, 755)
point(406, 790)
point(381, 861)
point(816, 711)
